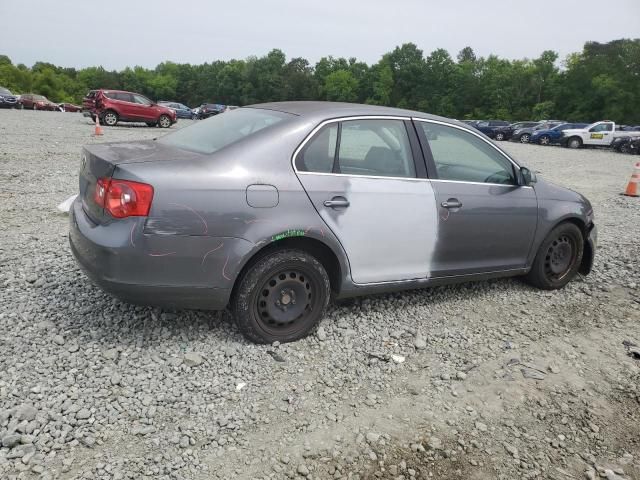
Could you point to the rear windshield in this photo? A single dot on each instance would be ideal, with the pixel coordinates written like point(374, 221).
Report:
point(4, 91)
point(217, 132)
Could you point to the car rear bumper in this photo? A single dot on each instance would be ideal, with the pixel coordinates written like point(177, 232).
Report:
point(105, 253)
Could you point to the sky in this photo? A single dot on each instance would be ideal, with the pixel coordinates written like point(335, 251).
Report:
point(120, 33)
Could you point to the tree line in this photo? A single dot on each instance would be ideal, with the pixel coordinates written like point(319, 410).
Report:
point(602, 81)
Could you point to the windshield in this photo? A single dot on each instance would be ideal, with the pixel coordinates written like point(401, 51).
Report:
point(39, 98)
point(217, 132)
point(4, 91)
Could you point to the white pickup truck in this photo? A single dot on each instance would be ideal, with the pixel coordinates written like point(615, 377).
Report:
point(599, 134)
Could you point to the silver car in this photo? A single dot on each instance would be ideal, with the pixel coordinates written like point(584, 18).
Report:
point(272, 209)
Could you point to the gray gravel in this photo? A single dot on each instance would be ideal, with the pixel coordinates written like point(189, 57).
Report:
point(485, 380)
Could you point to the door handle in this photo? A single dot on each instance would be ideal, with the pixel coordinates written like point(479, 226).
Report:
point(337, 202)
point(452, 203)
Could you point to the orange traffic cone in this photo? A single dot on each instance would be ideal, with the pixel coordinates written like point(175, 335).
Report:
point(632, 187)
point(98, 127)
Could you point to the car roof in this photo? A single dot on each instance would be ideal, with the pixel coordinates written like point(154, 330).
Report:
point(339, 109)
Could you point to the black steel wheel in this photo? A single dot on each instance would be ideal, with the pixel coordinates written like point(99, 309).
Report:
point(282, 297)
point(558, 258)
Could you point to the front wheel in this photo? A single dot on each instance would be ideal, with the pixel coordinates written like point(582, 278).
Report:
point(164, 121)
point(524, 138)
point(558, 258)
point(545, 140)
point(499, 136)
point(624, 148)
point(282, 297)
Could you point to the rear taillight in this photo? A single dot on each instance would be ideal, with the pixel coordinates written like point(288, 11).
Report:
point(123, 198)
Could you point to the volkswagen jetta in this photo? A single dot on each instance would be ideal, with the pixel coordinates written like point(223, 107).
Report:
point(273, 208)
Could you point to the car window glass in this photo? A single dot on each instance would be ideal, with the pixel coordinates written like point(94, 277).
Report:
point(461, 156)
point(217, 132)
point(319, 152)
point(375, 147)
point(483, 124)
point(141, 100)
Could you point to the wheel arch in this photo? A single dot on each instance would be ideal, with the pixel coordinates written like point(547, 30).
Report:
point(320, 250)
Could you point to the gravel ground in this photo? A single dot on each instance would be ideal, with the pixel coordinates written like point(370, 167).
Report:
point(474, 381)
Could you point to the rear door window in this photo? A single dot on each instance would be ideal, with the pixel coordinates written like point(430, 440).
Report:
point(319, 153)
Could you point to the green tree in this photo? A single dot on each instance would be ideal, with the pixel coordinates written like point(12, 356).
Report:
point(341, 86)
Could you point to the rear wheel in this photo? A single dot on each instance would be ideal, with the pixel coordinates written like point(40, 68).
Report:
point(624, 148)
point(282, 297)
point(545, 140)
point(164, 121)
point(500, 136)
point(558, 258)
point(110, 118)
point(524, 138)
point(574, 142)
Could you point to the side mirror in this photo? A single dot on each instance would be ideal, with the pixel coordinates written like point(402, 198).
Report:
point(528, 177)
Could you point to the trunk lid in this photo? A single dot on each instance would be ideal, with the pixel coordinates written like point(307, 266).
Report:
point(101, 160)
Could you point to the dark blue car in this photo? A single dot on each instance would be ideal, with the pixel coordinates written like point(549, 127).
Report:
point(182, 111)
point(552, 135)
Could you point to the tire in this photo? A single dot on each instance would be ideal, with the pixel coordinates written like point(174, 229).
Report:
point(264, 304)
point(524, 138)
point(35, 107)
point(164, 121)
point(624, 148)
point(558, 258)
point(545, 140)
point(151, 124)
point(110, 118)
point(574, 142)
point(500, 136)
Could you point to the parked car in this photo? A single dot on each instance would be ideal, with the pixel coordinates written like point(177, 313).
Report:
point(273, 208)
point(518, 125)
point(69, 107)
point(207, 110)
point(523, 135)
point(182, 111)
point(552, 135)
point(113, 106)
point(598, 134)
point(7, 99)
point(37, 102)
point(626, 144)
point(496, 129)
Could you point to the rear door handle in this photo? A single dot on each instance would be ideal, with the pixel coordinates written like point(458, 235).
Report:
point(452, 203)
point(337, 202)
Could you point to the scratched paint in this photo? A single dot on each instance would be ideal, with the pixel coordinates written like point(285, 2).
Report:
point(211, 251)
point(204, 222)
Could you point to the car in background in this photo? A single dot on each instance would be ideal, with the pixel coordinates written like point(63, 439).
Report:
point(597, 134)
point(33, 101)
point(207, 110)
point(552, 135)
point(274, 209)
point(88, 104)
point(69, 107)
point(7, 99)
point(496, 129)
point(528, 124)
point(623, 144)
point(523, 135)
point(113, 106)
point(182, 111)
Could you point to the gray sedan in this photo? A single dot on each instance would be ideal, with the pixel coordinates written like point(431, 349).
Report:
point(274, 208)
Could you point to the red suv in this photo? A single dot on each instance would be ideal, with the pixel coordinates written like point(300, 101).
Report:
point(113, 106)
